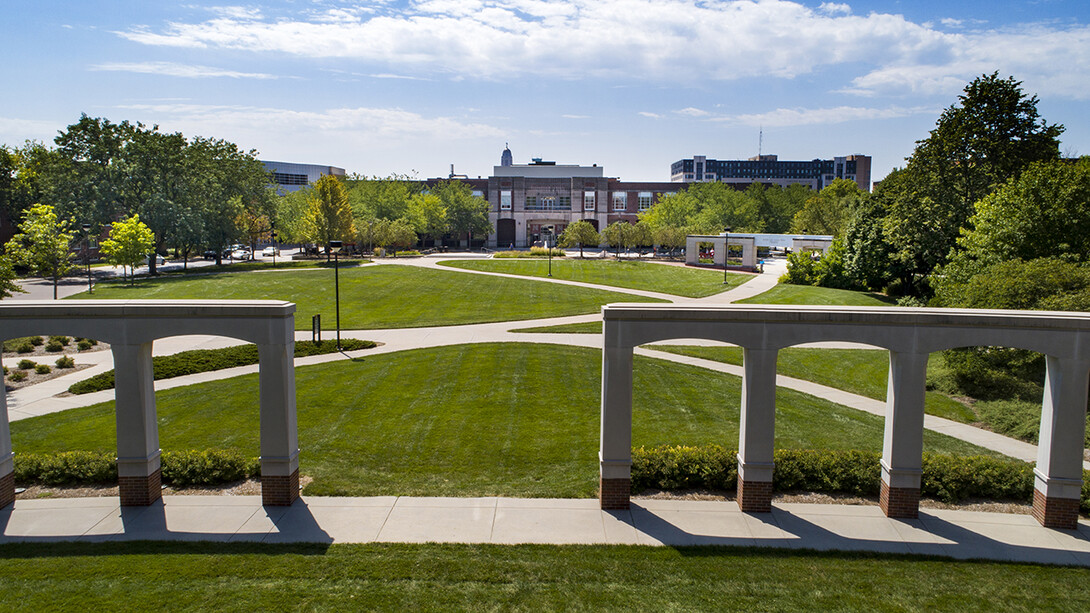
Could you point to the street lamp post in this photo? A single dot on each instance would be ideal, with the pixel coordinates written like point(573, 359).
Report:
point(335, 247)
point(549, 251)
point(726, 252)
point(87, 255)
point(276, 245)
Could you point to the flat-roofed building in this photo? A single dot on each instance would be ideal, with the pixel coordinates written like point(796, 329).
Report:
point(289, 176)
point(770, 170)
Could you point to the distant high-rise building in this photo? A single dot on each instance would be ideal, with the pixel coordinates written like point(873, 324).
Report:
point(768, 169)
point(505, 158)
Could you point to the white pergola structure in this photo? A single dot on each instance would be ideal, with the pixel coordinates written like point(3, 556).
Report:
point(719, 244)
point(909, 334)
point(130, 327)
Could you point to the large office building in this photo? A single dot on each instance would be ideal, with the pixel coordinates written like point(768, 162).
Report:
point(527, 201)
point(289, 177)
point(770, 170)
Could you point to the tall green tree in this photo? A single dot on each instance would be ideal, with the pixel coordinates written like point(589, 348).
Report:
point(466, 214)
point(129, 244)
point(43, 244)
point(580, 233)
point(988, 137)
point(87, 183)
point(830, 210)
point(8, 286)
point(329, 215)
point(393, 234)
point(374, 198)
point(428, 216)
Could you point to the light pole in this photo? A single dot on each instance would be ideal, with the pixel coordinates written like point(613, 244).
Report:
point(87, 255)
point(549, 251)
point(276, 246)
point(726, 252)
point(335, 247)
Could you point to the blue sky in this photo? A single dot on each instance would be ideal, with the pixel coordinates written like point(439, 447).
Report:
point(410, 87)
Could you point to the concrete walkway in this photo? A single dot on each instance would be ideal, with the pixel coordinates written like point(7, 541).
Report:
point(389, 519)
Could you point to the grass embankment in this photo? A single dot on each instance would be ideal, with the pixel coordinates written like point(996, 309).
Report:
point(647, 276)
point(585, 327)
point(470, 420)
point(808, 294)
point(207, 360)
point(381, 296)
point(253, 577)
point(859, 371)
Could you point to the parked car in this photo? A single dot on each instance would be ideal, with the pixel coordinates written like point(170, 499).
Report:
point(241, 254)
point(159, 260)
point(270, 251)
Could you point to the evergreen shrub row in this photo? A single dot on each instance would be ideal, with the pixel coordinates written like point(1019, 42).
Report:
point(205, 360)
point(180, 468)
point(950, 478)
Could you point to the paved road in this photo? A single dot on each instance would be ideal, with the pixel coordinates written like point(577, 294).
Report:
point(42, 398)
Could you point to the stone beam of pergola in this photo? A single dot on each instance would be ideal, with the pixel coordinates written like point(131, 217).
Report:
point(909, 334)
point(130, 327)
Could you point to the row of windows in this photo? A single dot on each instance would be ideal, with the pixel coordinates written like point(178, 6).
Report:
point(563, 203)
point(284, 178)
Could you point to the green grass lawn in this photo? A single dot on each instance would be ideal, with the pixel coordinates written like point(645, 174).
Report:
point(470, 420)
point(676, 280)
point(808, 294)
point(859, 371)
point(395, 577)
point(376, 296)
point(585, 327)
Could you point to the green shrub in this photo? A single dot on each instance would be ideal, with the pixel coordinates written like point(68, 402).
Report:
point(42, 369)
point(206, 360)
point(180, 468)
point(66, 468)
point(63, 340)
point(209, 467)
point(18, 375)
point(945, 477)
point(25, 348)
point(54, 346)
point(5, 370)
point(66, 362)
point(24, 364)
point(83, 344)
point(37, 341)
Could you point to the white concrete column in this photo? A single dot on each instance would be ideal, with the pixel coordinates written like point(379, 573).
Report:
point(692, 250)
point(757, 429)
point(1058, 475)
point(615, 447)
point(137, 429)
point(749, 252)
point(902, 446)
point(720, 249)
point(279, 428)
point(7, 458)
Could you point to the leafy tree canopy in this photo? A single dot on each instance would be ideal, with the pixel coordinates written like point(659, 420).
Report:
point(129, 243)
point(42, 244)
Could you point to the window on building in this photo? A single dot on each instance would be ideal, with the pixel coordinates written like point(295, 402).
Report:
point(531, 203)
point(588, 201)
point(709, 177)
point(689, 175)
point(478, 193)
point(548, 203)
point(645, 200)
point(620, 201)
point(505, 200)
point(284, 178)
point(565, 203)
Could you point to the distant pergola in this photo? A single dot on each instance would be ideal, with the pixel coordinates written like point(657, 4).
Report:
point(749, 243)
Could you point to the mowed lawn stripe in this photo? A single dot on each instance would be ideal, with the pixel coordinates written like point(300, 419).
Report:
point(647, 276)
point(505, 419)
point(378, 296)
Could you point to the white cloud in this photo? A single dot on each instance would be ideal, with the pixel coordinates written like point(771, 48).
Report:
point(360, 122)
point(14, 130)
point(693, 112)
point(173, 69)
point(780, 118)
point(648, 40)
point(649, 114)
point(835, 7)
point(576, 116)
point(950, 22)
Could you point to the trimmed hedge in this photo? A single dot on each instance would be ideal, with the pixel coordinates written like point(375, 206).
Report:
point(180, 468)
point(205, 360)
point(945, 477)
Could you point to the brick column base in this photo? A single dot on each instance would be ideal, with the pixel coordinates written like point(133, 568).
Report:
point(900, 502)
point(1055, 512)
point(7, 490)
point(141, 491)
point(614, 494)
point(280, 490)
point(755, 496)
